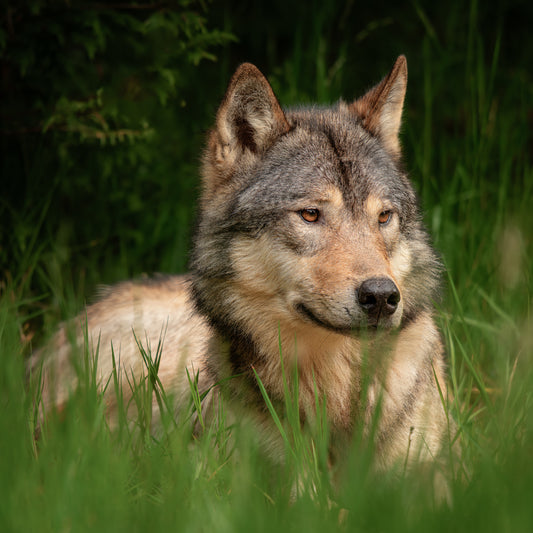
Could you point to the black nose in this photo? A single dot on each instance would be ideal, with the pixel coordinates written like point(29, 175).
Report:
point(379, 297)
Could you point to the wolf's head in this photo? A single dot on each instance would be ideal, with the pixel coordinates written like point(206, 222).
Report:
point(307, 218)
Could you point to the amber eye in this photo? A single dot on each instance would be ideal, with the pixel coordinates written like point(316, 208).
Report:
point(310, 214)
point(384, 217)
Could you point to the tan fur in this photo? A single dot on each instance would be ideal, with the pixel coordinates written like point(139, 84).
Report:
point(152, 312)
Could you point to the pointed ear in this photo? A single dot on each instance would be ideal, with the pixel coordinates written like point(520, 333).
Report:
point(380, 109)
point(249, 118)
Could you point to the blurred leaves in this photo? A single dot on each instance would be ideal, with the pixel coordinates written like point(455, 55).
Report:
point(87, 60)
point(94, 122)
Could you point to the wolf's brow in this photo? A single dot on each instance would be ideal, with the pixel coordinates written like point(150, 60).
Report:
point(341, 158)
point(310, 199)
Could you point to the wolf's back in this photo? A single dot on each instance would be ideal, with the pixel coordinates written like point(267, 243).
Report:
point(154, 316)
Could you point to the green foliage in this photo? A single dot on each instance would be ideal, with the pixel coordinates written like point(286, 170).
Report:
point(93, 132)
point(104, 107)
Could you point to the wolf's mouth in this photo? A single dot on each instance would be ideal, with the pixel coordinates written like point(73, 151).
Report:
point(353, 328)
point(307, 313)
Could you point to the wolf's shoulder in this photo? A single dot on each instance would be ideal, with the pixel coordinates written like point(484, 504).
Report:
point(155, 286)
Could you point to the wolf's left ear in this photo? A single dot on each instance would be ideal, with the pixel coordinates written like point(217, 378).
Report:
point(380, 109)
point(250, 117)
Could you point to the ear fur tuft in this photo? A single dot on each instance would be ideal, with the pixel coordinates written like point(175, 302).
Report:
point(380, 109)
point(250, 116)
point(248, 122)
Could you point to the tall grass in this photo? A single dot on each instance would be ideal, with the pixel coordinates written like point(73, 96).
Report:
point(466, 138)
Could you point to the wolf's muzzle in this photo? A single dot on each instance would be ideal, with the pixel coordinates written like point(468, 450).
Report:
point(379, 298)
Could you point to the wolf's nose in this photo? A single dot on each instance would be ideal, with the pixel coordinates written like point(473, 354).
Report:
point(378, 297)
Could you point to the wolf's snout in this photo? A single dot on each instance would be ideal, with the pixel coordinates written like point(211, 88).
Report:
point(379, 297)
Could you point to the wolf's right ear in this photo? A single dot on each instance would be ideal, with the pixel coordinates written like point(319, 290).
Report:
point(380, 109)
point(249, 119)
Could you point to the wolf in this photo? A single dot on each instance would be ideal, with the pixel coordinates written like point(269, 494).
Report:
point(309, 251)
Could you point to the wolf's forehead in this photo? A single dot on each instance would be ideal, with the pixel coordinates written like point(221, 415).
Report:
point(331, 148)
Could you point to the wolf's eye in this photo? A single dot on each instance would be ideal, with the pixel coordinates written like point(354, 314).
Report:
point(384, 217)
point(310, 214)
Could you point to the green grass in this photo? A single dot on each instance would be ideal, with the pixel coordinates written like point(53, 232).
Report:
point(467, 138)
